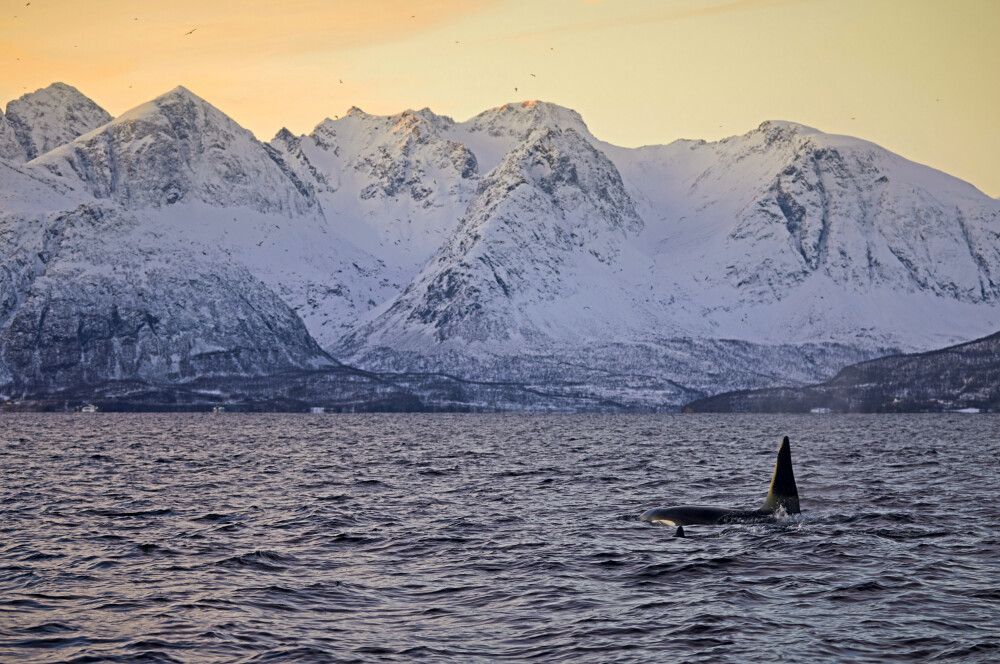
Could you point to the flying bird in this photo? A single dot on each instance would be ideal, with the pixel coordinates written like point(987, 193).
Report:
point(532, 76)
point(191, 31)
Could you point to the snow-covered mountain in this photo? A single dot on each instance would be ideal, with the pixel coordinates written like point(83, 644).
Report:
point(84, 304)
point(194, 177)
point(44, 119)
point(782, 238)
point(90, 294)
point(788, 233)
point(514, 250)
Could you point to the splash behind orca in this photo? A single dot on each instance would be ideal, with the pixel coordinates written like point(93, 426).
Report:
point(783, 494)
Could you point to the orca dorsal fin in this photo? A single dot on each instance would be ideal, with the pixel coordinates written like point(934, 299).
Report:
point(783, 492)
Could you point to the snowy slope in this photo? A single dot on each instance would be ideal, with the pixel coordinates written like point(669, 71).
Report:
point(393, 185)
point(784, 243)
point(44, 119)
point(25, 192)
point(324, 278)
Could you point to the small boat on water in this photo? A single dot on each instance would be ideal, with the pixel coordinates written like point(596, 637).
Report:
point(89, 408)
point(218, 409)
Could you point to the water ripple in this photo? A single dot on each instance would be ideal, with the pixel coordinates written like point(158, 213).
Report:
point(274, 538)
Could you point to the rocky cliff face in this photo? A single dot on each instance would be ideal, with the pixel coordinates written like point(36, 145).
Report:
point(10, 150)
point(865, 218)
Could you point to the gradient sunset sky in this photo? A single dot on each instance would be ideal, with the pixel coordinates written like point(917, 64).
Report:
point(916, 76)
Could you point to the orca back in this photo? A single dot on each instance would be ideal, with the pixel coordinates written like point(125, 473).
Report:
point(783, 492)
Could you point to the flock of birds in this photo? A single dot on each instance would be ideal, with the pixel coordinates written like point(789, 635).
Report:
point(412, 16)
point(194, 29)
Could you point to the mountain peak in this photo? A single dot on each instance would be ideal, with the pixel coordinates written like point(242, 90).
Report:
point(518, 119)
point(53, 90)
point(771, 132)
point(177, 148)
point(425, 113)
point(787, 126)
point(181, 91)
point(284, 136)
point(533, 106)
point(785, 131)
point(50, 117)
point(410, 121)
point(170, 99)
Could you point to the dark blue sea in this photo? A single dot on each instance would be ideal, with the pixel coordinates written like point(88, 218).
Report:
point(494, 537)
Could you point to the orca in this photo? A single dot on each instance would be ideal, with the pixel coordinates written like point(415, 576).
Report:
point(782, 495)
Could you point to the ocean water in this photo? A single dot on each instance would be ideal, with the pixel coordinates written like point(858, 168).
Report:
point(484, 537)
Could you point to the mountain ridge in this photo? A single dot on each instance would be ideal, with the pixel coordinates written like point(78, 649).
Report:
point(516, 247)
point(964, 377)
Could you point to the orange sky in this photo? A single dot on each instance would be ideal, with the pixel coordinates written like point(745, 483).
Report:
point(917, 76)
